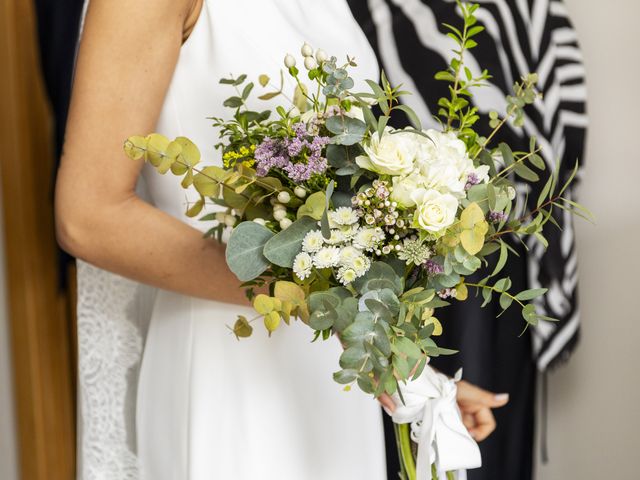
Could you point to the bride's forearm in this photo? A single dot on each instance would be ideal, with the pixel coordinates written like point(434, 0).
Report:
point(139, 241)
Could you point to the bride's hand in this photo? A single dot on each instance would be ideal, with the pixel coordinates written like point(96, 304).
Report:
point(476, 405)
point(387, 402)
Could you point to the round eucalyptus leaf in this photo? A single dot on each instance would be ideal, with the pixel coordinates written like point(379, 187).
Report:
point(345, 376)
point(360, 329)
point(322, 319)
point(283, 247)
point(354, 357)
point(244, 250)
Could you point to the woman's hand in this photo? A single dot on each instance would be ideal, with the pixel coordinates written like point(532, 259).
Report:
point(475, 405)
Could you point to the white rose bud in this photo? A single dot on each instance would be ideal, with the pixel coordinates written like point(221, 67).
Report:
point(300, 192)
point(321, 55)
point(279, 215)
point(306, 50)
point(310, 63)
point(285, 223)
point(390, 155)
point(229, 220)
point(435, 211)
point(289, 61)
point(284, 197)
point(259, 221)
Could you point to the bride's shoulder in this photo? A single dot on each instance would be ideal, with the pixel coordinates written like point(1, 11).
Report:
point(125, 14)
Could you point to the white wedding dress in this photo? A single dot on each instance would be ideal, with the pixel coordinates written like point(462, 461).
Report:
point(166, 391)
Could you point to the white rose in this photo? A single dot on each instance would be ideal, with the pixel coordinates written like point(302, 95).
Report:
point(444, 176)
point(390, 155)
point(444, 162)
point(403, 187)
point(435, 211)
point(443, 145)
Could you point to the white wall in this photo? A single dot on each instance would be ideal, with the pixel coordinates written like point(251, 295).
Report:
point(594, 418)
point(8, 461)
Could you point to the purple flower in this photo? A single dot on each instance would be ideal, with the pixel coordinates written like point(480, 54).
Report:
point(472, 179)
point(300, 129)
point(300, 157)
point(433, 268)
point(497, 217)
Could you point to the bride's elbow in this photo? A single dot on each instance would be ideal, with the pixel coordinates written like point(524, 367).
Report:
point(75, 221)
point(70, 230)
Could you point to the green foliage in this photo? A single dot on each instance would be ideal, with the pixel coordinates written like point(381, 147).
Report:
point(282, 248)
point(457, 109)
point(347, 130)
point(385, 318)
point(244, 252)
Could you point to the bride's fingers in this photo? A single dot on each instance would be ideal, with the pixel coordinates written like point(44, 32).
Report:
point(468, 420)
point(486, 424)
point(387, 402)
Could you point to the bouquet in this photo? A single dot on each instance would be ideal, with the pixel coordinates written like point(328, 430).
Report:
point(364, 231)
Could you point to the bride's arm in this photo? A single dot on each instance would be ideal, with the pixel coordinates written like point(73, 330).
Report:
point(126, 61)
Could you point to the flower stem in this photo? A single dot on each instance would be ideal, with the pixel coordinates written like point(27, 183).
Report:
point(406, 454)
point(403, 470)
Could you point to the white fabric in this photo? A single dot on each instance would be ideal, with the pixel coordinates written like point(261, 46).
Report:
point(436, 424)
point(205, 405)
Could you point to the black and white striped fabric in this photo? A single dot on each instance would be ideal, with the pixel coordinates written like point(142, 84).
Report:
point(521, 36)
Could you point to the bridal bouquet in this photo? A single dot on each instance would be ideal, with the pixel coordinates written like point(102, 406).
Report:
point(362, 230)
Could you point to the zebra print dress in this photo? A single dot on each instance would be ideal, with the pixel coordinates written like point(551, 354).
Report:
point(521, 36)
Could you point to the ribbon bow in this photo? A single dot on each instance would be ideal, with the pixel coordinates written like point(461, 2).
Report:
point(436, 424)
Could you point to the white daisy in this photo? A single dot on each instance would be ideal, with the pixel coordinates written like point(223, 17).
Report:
point(327, 257)
point(348, 255)
point(368, 238)
point(361, 265)
point(343, 216)
point(349, 231)
point(313, 241)
point(336, 237)
point(302, 265)
point(346, 275)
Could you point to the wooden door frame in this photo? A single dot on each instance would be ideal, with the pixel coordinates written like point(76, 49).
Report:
point(39, 319)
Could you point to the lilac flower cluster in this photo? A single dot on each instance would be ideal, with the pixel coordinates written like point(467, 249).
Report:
point(300, 157)
point(433, 268)
point(497, 217)
point(472, 180)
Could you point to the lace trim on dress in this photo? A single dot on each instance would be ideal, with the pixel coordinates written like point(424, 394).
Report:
point(110, 332)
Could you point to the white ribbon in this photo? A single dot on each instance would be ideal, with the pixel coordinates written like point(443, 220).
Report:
point(436, 424)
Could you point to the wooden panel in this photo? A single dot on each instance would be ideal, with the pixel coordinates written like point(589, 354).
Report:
point(39, 319)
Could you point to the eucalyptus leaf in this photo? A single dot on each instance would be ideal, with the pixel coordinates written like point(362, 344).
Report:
point(244, 250)
point(282, 248)
point(531, 294)
point(347, 130)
